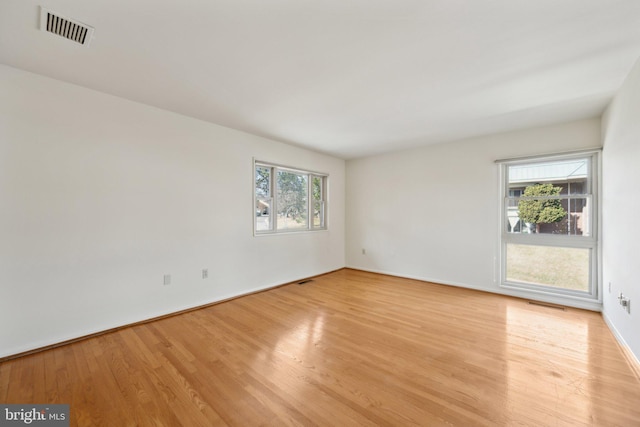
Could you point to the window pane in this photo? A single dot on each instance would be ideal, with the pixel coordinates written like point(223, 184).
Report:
point(263, 198)
point(318, 208)
point(571, 175)
point(564, 215)
point(292, 189)
point(566, 268)
point(263, 214)
point(263, 181)
point(318, 205)
point(549, 198)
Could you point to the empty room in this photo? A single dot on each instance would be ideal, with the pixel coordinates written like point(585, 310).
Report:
point(319, 213)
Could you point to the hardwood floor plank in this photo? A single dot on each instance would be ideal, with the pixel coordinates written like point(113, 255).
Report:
point(347, 348)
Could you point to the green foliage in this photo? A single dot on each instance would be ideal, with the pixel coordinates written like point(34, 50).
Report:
point(316, 185)
point(317, 188)
point(263, 181)
point(292, 195)
point(541, 211)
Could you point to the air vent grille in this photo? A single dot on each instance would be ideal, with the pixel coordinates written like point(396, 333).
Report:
point(545, 304)
point(65, 27)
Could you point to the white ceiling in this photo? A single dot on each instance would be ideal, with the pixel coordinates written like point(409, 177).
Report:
point(346, 77)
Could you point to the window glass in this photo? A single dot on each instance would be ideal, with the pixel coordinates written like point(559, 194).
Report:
point(292, 200)
point(288, 199)
point(318, 201)
point(549, 198)
point(566, 268)
point(263, 198)
point(548, 237)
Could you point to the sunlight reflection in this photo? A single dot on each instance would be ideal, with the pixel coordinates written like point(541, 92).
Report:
point(302, 338)
point(547, 364)
point(296, 344)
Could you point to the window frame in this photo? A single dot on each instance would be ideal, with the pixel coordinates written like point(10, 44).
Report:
point(590, 241)
point(274, 168)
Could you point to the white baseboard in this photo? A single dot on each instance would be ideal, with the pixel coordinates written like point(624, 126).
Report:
point(633, 359)
point(536, 296)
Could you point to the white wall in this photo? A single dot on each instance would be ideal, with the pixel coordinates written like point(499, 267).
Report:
point(621, 210)
point(100, 197)
point(432, 213)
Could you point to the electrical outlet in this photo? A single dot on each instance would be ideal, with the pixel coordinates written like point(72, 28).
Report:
point(624, 302)
point(205, 273)
point(364, 251)
point(609, 287)
point(167, 279)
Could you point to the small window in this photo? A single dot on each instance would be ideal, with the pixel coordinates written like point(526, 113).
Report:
point(288, 199)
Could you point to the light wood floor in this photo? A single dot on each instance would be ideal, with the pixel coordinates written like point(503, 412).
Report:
point(348, 348)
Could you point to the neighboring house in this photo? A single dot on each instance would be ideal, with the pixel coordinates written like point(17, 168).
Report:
point(571, 176)
point(262, 208)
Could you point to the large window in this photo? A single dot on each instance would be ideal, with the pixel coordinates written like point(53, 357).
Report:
point(288, 199)
point(549, 224)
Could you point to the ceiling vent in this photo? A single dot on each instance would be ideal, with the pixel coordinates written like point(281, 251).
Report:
point(68, 28)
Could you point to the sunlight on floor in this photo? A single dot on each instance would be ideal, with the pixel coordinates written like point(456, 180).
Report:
point(533, 336)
